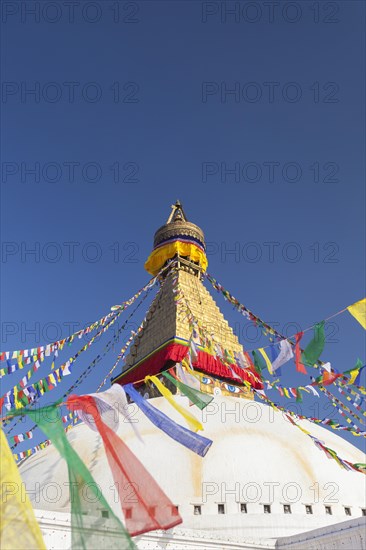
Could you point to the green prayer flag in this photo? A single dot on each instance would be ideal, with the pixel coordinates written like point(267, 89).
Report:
point(259, 362)
point(199, 398)
point(315, 347)
point(298, 396)
point(358, 364)
point(89, 529)
point(23, 400)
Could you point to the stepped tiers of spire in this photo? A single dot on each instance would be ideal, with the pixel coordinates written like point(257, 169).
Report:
point(182, 312)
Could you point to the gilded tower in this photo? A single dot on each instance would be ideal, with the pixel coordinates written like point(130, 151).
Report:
point(184, 316)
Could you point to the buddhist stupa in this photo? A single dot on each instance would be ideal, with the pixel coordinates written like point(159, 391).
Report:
point(263, 484)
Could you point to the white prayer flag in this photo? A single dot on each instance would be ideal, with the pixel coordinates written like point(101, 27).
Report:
point(285, 355)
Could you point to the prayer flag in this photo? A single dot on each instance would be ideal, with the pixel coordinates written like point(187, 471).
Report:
point(358, 310)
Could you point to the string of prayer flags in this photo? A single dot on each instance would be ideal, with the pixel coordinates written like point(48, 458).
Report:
point(359, 467)
point(83, 533)
point(200, 399)
point(16, 512)
point(195, 442)
point(315, 347)
point(20, 364)
point(358, 310)
point(227, 296)
point(19, 438)
point(341, 407)
point(26, 356)
point(95, 361)
point(299, 366)
point(123, 350)
point(49, 348)
point(122, 353)
point(31, 451)
point(42, 445)
point(34, 392)
point(333, 455)
point(344, 381)
point(356, 405)
point(150, 508)
point(327, 422)
point(20, 396)
point(23, 382)
point(359, 399)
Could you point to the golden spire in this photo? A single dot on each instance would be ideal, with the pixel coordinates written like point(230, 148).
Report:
point(178, 238)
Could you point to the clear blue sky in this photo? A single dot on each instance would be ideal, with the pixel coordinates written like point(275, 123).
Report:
point(134, 110)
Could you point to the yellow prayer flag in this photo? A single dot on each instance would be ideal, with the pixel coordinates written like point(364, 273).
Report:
point(193, 423)
point(358, 310)
point(18, 405)
point(352, 376)
point(266, 358)
point(16, 512)
point(186, 364)
point(285, 391)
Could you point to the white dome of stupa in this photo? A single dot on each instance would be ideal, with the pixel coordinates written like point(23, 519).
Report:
point(261, 478)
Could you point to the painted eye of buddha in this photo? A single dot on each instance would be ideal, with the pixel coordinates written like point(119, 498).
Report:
point(231, 389)
point(206, 380)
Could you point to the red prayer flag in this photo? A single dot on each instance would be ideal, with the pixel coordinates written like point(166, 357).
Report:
point(150, 508)
point(299, 366)
point(329, 377)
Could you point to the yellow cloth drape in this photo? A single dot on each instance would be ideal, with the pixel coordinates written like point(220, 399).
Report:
point(192, 421)
point(358, 310)
point(266, 358)
point(18, 525)
point(158, 257)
